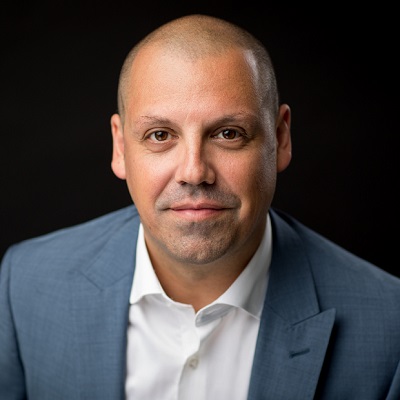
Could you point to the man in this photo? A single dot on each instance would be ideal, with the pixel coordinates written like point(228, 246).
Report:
point(200, 290)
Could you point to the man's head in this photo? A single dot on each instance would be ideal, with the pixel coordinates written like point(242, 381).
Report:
point(200, 137)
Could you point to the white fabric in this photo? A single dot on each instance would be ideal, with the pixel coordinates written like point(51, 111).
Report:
point(177, 354)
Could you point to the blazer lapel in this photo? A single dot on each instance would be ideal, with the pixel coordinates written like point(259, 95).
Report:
point(294, 333)
point(100, 314)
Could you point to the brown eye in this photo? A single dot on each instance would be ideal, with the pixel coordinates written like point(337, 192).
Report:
point(160, 136)
point(228, 134)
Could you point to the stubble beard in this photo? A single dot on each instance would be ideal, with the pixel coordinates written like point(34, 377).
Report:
point(197, 242)
point(200, 243)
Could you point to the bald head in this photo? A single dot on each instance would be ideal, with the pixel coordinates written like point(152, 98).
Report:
point(196, 36)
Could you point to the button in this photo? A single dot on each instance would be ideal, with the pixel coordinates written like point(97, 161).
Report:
point(193, 362)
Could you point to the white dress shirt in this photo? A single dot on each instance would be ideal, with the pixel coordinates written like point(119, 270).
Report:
point(175, 353)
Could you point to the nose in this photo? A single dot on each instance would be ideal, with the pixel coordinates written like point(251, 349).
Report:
point(194, 165)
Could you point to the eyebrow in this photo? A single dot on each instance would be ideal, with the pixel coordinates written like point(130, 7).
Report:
point(226, 119)
point(147, 119)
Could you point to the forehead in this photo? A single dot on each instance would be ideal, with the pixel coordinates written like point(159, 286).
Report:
point(160, 75)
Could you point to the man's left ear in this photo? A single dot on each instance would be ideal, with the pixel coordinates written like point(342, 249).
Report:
point(118, 154)
point(283, 138)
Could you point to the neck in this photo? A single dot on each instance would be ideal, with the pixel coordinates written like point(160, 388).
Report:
point(196, 285)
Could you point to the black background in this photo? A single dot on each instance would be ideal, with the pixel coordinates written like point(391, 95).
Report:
point(337, 69)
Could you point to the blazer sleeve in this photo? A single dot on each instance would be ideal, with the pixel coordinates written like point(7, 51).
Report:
point(12, 382)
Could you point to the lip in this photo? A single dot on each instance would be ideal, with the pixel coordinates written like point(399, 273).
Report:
point(197, 206)
point(198, 211)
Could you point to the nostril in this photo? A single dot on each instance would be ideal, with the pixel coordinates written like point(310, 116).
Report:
point(195, 173)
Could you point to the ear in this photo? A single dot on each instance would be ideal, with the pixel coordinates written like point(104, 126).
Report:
point(283, 138)
point(118, 154)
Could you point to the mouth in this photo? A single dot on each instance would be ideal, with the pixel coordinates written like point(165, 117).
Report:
point(197, 206)
point(198, 211)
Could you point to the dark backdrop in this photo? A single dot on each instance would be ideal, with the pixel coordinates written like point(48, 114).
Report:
point(336, 68)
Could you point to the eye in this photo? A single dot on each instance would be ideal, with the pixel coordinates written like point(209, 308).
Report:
point(159, 136)
point(228, 134)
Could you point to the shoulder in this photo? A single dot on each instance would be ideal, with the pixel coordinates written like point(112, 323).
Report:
point(335, 269)
point(78, 242)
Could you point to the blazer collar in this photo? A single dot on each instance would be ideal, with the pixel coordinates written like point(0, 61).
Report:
point(294, 333)
point(116, 259)
point(100, 309)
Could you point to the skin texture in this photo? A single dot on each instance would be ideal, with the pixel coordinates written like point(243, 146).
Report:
point(200, 152)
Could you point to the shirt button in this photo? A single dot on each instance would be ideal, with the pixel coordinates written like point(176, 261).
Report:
point(193, 362)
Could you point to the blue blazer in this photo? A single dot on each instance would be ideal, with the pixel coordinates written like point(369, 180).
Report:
point(330, 327)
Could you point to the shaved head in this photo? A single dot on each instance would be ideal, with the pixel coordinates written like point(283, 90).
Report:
point(196, 36)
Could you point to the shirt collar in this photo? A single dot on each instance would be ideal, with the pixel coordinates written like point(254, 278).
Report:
point(145, 281)
point(249, 288)
point(247, 291)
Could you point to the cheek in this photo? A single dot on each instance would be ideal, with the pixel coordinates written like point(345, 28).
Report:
point(146, 179)
point(266, 175)
point(256, 185)
point(257, 173)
